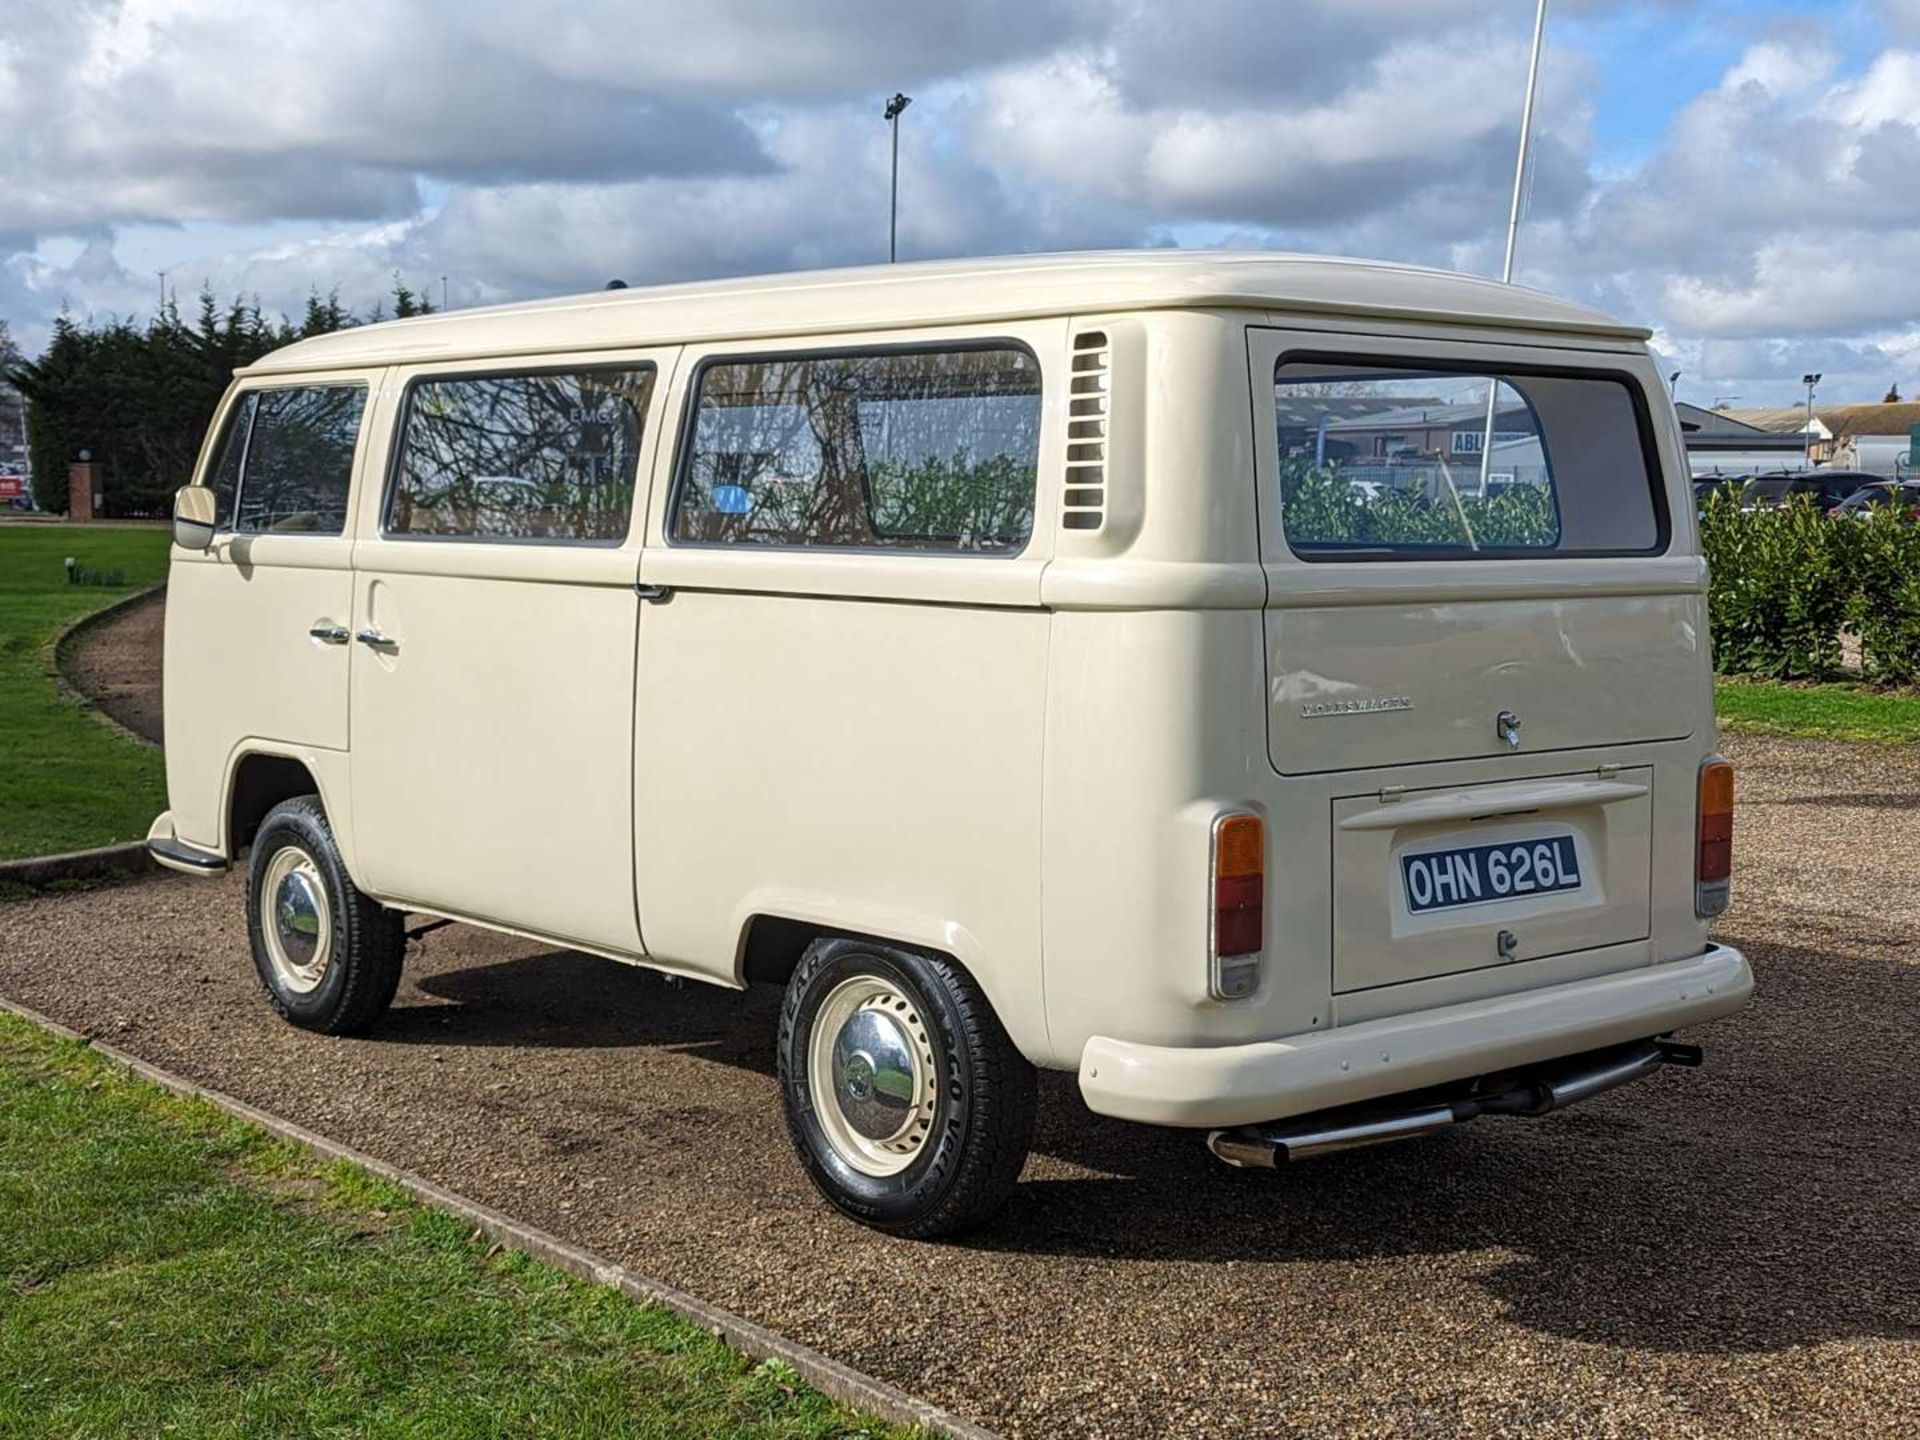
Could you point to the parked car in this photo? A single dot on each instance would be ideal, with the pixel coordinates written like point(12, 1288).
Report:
point(1883, 492)
point(1707, 485)
point(1824, 488)
point(937, 643)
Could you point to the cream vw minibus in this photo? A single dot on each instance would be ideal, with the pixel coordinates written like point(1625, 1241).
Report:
point(1273, 688)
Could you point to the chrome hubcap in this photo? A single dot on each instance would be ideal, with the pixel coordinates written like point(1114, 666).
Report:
point(870, 1068)
point(298, 926)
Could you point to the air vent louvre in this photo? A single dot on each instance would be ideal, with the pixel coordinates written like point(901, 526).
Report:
point(1086, 498)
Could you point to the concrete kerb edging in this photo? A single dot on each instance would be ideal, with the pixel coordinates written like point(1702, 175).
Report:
point(37, 871)
point(54, 653)
point(825, 1374)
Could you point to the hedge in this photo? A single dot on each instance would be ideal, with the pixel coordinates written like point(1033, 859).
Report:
point(1786, 583)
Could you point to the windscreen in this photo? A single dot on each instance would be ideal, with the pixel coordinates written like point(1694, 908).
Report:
point(1393, 461)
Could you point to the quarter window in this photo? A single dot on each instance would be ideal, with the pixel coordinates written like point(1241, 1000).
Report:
point(906, 450)
point(224, 478)
point(548, 456)
point(299, 460)
point(1389, 460)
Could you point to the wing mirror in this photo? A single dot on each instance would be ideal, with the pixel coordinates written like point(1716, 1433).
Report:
point(193, 517)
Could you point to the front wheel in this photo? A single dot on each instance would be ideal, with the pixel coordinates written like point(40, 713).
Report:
point(328, 956)
point(910, 1108)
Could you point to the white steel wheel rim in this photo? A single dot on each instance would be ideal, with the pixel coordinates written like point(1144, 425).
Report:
point(296, 922)
point(871, 1074)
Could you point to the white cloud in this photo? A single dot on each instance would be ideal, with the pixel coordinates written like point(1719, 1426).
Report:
point(1902, 17)
point(1778, 219)
point(525, 148)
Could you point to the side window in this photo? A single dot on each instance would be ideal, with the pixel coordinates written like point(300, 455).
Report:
point(223, 477)
point(535, 457)
point(915, 450)
point(299, 461)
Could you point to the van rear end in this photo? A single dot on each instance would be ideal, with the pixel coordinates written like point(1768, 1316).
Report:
point(1442, 829)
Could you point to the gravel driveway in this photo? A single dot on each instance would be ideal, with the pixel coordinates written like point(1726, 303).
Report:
point(117, 664)
point(1733, 1251)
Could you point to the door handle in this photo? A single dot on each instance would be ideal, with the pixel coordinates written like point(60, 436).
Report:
point(374, 640)
point(328, 633)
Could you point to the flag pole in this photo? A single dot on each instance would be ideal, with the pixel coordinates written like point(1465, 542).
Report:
point(1513, 216)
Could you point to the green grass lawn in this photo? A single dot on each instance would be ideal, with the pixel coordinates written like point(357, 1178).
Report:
point(1825, 712)
point(67, 782)
point(166, 1269)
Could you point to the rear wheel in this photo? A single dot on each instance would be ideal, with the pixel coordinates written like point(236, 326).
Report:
point(329, 957)
point(909, 1106)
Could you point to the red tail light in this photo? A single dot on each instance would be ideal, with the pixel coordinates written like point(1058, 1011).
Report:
point(1239, 905)
point(1713, 848)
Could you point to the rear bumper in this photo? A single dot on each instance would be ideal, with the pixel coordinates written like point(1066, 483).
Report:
point(1272, 1079)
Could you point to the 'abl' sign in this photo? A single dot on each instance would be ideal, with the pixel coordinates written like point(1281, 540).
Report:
point(1467, 442)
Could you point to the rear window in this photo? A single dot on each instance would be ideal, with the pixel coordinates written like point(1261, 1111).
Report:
point(932, 449)
point(1381, 460)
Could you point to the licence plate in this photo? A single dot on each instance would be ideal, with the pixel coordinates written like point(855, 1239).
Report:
point(1479, 874)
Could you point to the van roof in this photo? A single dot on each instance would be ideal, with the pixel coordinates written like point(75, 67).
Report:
point(948, 292)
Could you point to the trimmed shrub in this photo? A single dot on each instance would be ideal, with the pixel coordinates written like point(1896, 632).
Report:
point(1886, 616)
point(1783, 588)
point(1786, 583)
point(1324, 506)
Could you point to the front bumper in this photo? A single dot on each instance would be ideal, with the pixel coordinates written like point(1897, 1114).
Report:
point(168, 849)
point(1271, 1079)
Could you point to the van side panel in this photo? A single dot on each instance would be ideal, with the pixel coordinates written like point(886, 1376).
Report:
point(1156, 699)
point(490, 740)
point(869, 765)
point(240, 666)
point(1154, 727)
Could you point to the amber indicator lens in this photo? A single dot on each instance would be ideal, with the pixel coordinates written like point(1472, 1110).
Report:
point(1239, 885)
point(1715, 848)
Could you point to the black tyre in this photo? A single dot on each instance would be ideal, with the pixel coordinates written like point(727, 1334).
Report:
point(328, 956)
point(911, 1109)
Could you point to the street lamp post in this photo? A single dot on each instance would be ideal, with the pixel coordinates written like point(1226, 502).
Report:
point(1809, 380)
point(1513, 215)
point(894, 108)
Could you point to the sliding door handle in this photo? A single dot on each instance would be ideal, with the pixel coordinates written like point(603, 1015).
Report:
point(374, 640)
point(328, 633)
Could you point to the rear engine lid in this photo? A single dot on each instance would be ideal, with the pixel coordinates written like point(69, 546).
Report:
point(1440, 881)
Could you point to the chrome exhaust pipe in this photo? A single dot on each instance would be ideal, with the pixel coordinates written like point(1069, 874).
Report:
point(1584, 1082)
point(1268, 1145)
point(1536, 1091)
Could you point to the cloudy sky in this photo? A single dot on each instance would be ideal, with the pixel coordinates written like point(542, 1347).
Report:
point(1744, 177)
